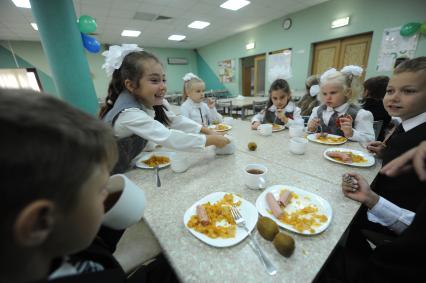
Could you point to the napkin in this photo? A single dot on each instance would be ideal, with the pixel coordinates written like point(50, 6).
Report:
point(182, 161)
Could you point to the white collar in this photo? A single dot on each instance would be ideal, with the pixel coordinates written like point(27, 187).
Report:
point(288, 108)
point(340, 109)
point(192, 103)
point(414, 121)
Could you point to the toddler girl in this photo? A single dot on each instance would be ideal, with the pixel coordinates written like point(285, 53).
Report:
point(338, 114)
point(194, 108)
point(136, 109)
point(280, 109)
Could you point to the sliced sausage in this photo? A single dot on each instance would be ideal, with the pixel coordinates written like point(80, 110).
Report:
point(285, 197)
point(340, 155)
point(273, 205)
point(202, 215)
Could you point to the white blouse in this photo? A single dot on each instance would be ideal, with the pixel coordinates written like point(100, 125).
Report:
point(183, 134)
point(290, 107)
point(362, 126)
point(200, 112)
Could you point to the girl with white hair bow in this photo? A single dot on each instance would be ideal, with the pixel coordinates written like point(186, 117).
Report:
point(339, 113)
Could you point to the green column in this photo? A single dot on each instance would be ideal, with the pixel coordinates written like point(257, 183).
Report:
point(62, 44)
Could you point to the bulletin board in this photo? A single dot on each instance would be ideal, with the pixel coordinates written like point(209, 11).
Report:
point(226, 70)
point(393, 46)
point(279, 65)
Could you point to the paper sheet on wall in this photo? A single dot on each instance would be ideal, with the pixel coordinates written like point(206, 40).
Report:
point(226, 70)
point(279, 66)
point(393, 46)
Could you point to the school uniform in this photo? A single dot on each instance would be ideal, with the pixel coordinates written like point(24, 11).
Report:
point(200, 112)
point(362, 120)
point(291, 111)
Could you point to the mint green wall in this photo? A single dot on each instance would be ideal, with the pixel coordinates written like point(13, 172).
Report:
point(313, 25)
point(208, 75)
point(32, 54)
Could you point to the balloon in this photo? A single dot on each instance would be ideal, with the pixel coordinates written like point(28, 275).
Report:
point(90, 43)
point(409, 29)
point(87, 24)
point(423, 28)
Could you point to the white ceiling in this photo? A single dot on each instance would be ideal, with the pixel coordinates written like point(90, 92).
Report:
point(112, 16)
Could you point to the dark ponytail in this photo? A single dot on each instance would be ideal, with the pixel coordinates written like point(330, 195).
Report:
point(132, 69)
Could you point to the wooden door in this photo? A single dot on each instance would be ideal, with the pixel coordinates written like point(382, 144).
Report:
point(246, 80)
point(338, 53)
point(259, 74)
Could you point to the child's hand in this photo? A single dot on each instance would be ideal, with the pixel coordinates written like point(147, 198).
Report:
point(281, 115)
point(346, 126)
point(376, 147)
point(211, 103)
point(217, 140)
point(359, 190)
point(255, 125)
point(207, 131)
point(313, 124)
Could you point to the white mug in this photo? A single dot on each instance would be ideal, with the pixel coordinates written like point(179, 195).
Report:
point(265, 129)
point(125, 203)
point(298, 145)
point(296, 130)
point(228, 121)
point(255, 176)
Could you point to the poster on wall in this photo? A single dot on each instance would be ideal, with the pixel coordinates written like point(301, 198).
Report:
point(279, 66)
point(393, 46)
point(226, 70)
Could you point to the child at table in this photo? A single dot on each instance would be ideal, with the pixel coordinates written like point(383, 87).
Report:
point(279, 109)
point(55, 169)
point(339, 115)
point(136, 109)
point(310, 99)
point(194, 108)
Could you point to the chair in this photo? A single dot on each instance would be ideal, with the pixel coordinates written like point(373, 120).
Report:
point(223, 106)
point(377, 125)
point(258, 106)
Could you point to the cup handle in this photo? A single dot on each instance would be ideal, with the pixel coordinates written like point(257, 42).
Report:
point(262, 183)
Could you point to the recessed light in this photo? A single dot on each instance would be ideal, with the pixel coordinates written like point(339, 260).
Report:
point(177, 37)
point(340, 22)
point(250, 45)
point(130, 33)
point(22, 3)
point(198, 24)
point(234, 5)
point(34, 25)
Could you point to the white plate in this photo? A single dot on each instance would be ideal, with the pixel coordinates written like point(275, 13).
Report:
point(312, 137)
point(148, 155)
point(281, 127)
point(370, 159)
point(247, 210)
point(305, 199)
point(213, 127)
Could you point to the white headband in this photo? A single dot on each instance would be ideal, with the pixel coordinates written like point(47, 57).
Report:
point(314, 90)
point(189, 76)
point(353, 70)
point(115, 55)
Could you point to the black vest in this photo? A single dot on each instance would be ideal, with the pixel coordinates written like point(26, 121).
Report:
point(270, 117)
point(332, 128)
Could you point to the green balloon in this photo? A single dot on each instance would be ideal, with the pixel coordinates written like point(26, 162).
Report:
point(423, 28)
point(87, 24)
point(409, 29)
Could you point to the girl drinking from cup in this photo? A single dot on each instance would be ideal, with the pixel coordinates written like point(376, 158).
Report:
point(280, 109)
point(194, 108)
point(338, 114)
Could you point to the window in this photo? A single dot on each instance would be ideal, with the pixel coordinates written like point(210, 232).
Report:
point(20, 78)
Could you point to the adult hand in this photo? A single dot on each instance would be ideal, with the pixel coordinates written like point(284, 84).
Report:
point(346, 126)
point(415, 159)
point(359, 190)
point(255, 125)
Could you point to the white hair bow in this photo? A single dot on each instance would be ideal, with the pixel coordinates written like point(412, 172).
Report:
point(314, 90)
point(189, 76)
point(327, 73)
point(115, 55)
point(352, 70)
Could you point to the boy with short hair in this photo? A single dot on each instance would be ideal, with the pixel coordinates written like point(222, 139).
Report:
point(55, 165)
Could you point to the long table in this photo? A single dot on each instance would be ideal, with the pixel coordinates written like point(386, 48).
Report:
point(244, 102)
point(194, 261)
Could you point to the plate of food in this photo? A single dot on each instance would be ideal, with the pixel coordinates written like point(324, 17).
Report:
point(325, 138)
point(295, 209)
point(210, 220)
point(277, 127)
point(220, 127)
point(349, 157)
point(150, 159)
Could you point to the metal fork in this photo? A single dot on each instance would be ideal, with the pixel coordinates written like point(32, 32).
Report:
point(157, 174)
point(241, 222)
